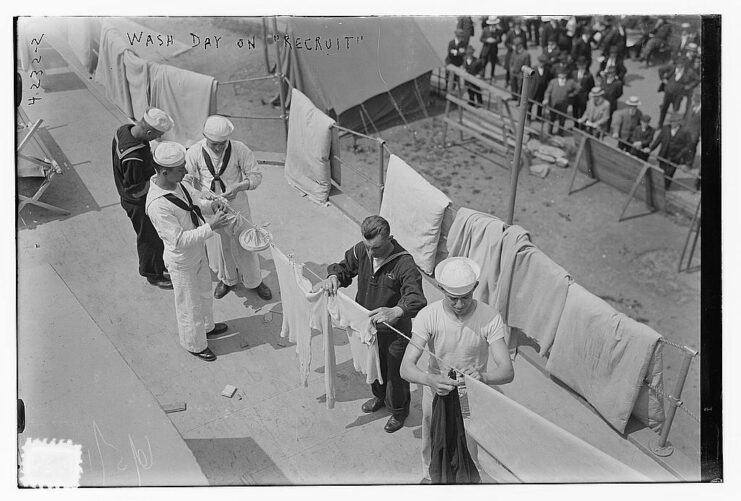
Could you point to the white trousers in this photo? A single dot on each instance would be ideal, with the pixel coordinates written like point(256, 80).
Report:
point(427, 397)
point(231, 262)
point(194, 302)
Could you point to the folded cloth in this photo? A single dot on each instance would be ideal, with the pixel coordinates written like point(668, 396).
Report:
point(188, 97)
point(361, 334)
point(308, 148)
point(111, 69)
point(514, 239)
point(533, 448)
point(414, 209)
point(478, 236)
point(602, 354)
point(137, 78)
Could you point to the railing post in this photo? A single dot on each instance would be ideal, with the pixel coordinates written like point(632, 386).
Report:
point(527, 74)
point(662, 447)
point(381, 179)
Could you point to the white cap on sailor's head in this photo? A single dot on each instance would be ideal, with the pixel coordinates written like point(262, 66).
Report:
point(158, 119)
point(457, 275)
point(218, 128)
point(169, 154)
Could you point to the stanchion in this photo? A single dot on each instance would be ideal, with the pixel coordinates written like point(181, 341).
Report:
point(527, 74)
point(662, 447)
point(381, 179)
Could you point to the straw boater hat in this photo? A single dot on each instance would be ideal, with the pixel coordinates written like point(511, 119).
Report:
point(169, 154)
point(218, 128)
point(633, 101)
point(492, 20)
point(596, 91)
point(158, 119)
point(457, 275)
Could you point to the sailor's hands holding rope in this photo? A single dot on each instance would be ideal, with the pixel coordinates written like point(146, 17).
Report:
point(330, 284)
point(385, 315)
point(441, 384)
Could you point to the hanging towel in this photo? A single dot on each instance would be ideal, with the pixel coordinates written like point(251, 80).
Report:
point(649, 406)
point(111, 70)
point(531, 447)
point(308, 149)
point(451, 462)
point(414, 209)
point(478, 236)
point(137, 78)
point(83, 39)
point(532, 298)
point(361, 334)
point(188, 97)
point(603, 355)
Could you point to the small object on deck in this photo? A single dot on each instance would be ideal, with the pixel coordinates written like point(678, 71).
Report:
point(228, 391)
point(540, 170)
point(267, 317)
point(542, 156)
point(562, 162)
point(173, 407)
point(244, 344)
point(281, 344)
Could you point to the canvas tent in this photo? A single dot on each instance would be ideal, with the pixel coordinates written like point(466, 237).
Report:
point(364, 72)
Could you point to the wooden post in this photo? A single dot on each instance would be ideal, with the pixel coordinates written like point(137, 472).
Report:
point(687, 240)
point(527, 74)
point(381, 179)
point(633, 189)
point(280, 75)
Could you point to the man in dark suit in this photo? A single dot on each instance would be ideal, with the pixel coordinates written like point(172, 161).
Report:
point(693, 124)
point(614, 37)
point(677, 81)
point(491, 35)
point(552, 52)
point(585, 81)
point(658, 38)
point(473, 66)
point(515, 32)
point(456, 51)
point(641, 138)
point(520, 57)
point(673, 142)
point(582, 46)
point(613, 90)
point(552, 30)
point(538, 85)
point(615, 60)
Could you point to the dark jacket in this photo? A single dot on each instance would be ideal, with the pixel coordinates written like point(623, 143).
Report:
point(397, 282)
point(460, 50)
point(582, 48)
point(132, 166)
point(539, 84)
point(613, 38)
point(585, 84)
point(684, 85)
point(675, 148)
point(644, 136)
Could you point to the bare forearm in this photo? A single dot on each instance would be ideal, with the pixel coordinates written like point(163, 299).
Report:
point(500, 375)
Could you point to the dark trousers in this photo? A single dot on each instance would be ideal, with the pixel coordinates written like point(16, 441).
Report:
point(394, 391)
point(149, 246)
point(675, 100)
point(668, 173)
point(579, 106)
point(560, 117)
point(489, 55)
point(474, 95)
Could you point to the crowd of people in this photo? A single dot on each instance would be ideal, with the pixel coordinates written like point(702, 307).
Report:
point(565, 85)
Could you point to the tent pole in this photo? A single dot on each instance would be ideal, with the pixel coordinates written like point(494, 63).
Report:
point(265, 40)
point(381, 179)
point(283, 114)
point(527, 74)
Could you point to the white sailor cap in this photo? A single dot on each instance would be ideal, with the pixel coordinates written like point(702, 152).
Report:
point(218, 128)
point(169, 154)
point(457, 275)
point(158, 119)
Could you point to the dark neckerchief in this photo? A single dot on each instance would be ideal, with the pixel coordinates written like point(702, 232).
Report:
point(224, 163)
point(195, 211)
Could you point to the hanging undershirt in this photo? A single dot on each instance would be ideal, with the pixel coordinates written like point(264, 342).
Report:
point(361, 334)
point(304, 310)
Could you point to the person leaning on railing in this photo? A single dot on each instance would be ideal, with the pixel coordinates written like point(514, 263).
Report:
point(558, 96)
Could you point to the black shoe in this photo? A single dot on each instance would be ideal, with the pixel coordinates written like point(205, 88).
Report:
point(222, 290)
point(394, 424)
point(219, 328)
point(161, 282)
point(372, 405)
point(263, 291)
point(206, 355)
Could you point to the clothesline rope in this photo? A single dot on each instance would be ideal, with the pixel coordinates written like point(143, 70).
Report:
point(403, 335)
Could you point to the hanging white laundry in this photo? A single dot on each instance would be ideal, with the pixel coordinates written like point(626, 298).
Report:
point(304, 310)
point(361, 334)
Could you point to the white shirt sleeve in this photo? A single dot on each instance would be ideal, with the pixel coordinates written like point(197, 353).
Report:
point(495, 329)
point(169, 229)
point(248, 165)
